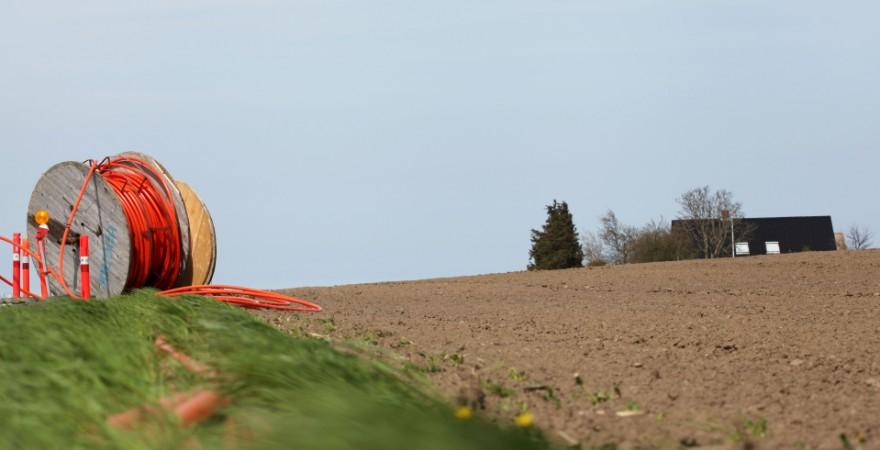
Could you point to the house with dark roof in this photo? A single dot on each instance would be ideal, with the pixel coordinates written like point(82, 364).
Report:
point(775, 235)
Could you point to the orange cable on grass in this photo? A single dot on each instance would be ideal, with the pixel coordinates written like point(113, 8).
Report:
point(189, 408)
point(246, 297)
point(190, 364)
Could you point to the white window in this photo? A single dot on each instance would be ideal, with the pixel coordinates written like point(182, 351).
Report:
point(742, 248)
point(772, 247)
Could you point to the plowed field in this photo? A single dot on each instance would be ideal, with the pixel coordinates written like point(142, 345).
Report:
point(765, 352)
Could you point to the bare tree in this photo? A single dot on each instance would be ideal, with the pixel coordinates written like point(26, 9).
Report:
point(859, 237)
point(701, 216)
point(618, 237)
point(594, 249)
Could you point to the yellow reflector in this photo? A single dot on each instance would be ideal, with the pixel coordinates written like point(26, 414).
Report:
point(42, 217)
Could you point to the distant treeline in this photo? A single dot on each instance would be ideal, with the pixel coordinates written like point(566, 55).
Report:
point(706, 218)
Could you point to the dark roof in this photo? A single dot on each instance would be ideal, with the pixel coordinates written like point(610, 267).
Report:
point(794, 234)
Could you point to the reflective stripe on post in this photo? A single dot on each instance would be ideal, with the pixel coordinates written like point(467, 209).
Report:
point(16, 265)
point(25, 265)
point(85, 280)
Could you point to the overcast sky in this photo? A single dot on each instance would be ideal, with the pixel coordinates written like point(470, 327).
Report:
point(354, 141)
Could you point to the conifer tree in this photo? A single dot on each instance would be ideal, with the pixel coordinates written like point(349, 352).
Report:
point(556, 246)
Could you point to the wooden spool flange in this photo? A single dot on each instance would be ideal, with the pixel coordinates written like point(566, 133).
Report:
point(100, 216)
point(203, 254)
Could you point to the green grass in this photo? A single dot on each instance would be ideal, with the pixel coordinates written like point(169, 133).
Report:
point(66, 366)
point(757, 427)
point(497, 388)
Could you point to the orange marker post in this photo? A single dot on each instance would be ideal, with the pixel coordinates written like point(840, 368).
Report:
point(41, 268)
point(16, 265)
point(25, 264)
point(86, 288)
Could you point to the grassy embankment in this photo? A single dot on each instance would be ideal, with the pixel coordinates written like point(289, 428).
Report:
point(66, 366)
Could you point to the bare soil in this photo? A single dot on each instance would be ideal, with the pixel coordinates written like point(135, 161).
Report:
point(763, 352)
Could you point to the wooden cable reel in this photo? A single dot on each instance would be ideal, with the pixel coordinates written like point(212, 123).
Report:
point(101, 217)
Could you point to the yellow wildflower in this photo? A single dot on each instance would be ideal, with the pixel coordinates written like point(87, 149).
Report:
point(525, 420)
point(463, 413)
